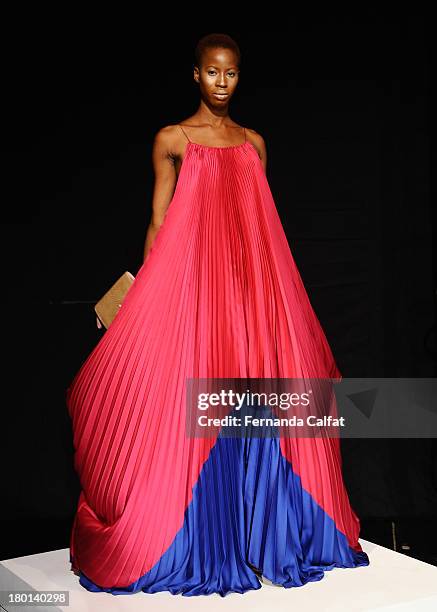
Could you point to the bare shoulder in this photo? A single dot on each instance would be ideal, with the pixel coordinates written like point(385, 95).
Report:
point(169, 143)
point(257, 140)
point(255, 135)
point(167, 137)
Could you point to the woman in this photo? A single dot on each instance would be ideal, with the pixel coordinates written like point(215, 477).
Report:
point(218, 296)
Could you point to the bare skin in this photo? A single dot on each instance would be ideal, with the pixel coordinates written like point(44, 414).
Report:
point(210, 125)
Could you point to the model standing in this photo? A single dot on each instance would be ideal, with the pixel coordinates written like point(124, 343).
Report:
point(218, 296)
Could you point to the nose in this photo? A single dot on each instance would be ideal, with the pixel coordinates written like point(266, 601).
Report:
point(221, 82)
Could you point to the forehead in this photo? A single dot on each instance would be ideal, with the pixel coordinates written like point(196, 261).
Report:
point(219, 57)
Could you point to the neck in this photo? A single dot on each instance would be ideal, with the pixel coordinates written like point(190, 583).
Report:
point(214, 117)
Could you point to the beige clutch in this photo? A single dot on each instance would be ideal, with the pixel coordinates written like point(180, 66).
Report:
point(107, 307)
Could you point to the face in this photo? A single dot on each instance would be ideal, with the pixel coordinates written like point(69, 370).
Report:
point(217, 76)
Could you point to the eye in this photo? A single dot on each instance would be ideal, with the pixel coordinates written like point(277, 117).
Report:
point(211, 71)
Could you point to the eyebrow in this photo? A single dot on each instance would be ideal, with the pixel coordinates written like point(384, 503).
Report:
point(212, 66)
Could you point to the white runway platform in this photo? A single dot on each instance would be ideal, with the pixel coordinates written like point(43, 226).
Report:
point(392, 582)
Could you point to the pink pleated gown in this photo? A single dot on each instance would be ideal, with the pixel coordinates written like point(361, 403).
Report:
point(219, 296)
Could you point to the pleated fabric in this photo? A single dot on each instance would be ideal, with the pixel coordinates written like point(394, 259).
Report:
point(219, 296)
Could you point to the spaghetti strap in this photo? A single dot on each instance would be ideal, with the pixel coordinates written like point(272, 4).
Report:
point(184, 132)
point(179, 125)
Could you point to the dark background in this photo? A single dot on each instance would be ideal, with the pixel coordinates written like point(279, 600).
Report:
point(344, 107)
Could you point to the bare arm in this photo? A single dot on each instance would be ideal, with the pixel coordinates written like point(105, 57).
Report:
point(258, 142)
point(263, 153)
point(164, 186)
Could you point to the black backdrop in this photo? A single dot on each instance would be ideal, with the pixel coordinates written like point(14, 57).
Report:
point(343, 105)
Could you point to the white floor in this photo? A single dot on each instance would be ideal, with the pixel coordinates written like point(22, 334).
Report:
point(392, 582)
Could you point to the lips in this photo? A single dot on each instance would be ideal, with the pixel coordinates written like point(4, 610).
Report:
point(220, 95)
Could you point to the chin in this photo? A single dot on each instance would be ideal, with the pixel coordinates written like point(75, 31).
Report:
point(217, 102)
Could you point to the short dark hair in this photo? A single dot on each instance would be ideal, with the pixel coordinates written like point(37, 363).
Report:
point(213, 41)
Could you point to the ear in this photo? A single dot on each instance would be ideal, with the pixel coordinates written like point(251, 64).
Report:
point(196, 74)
